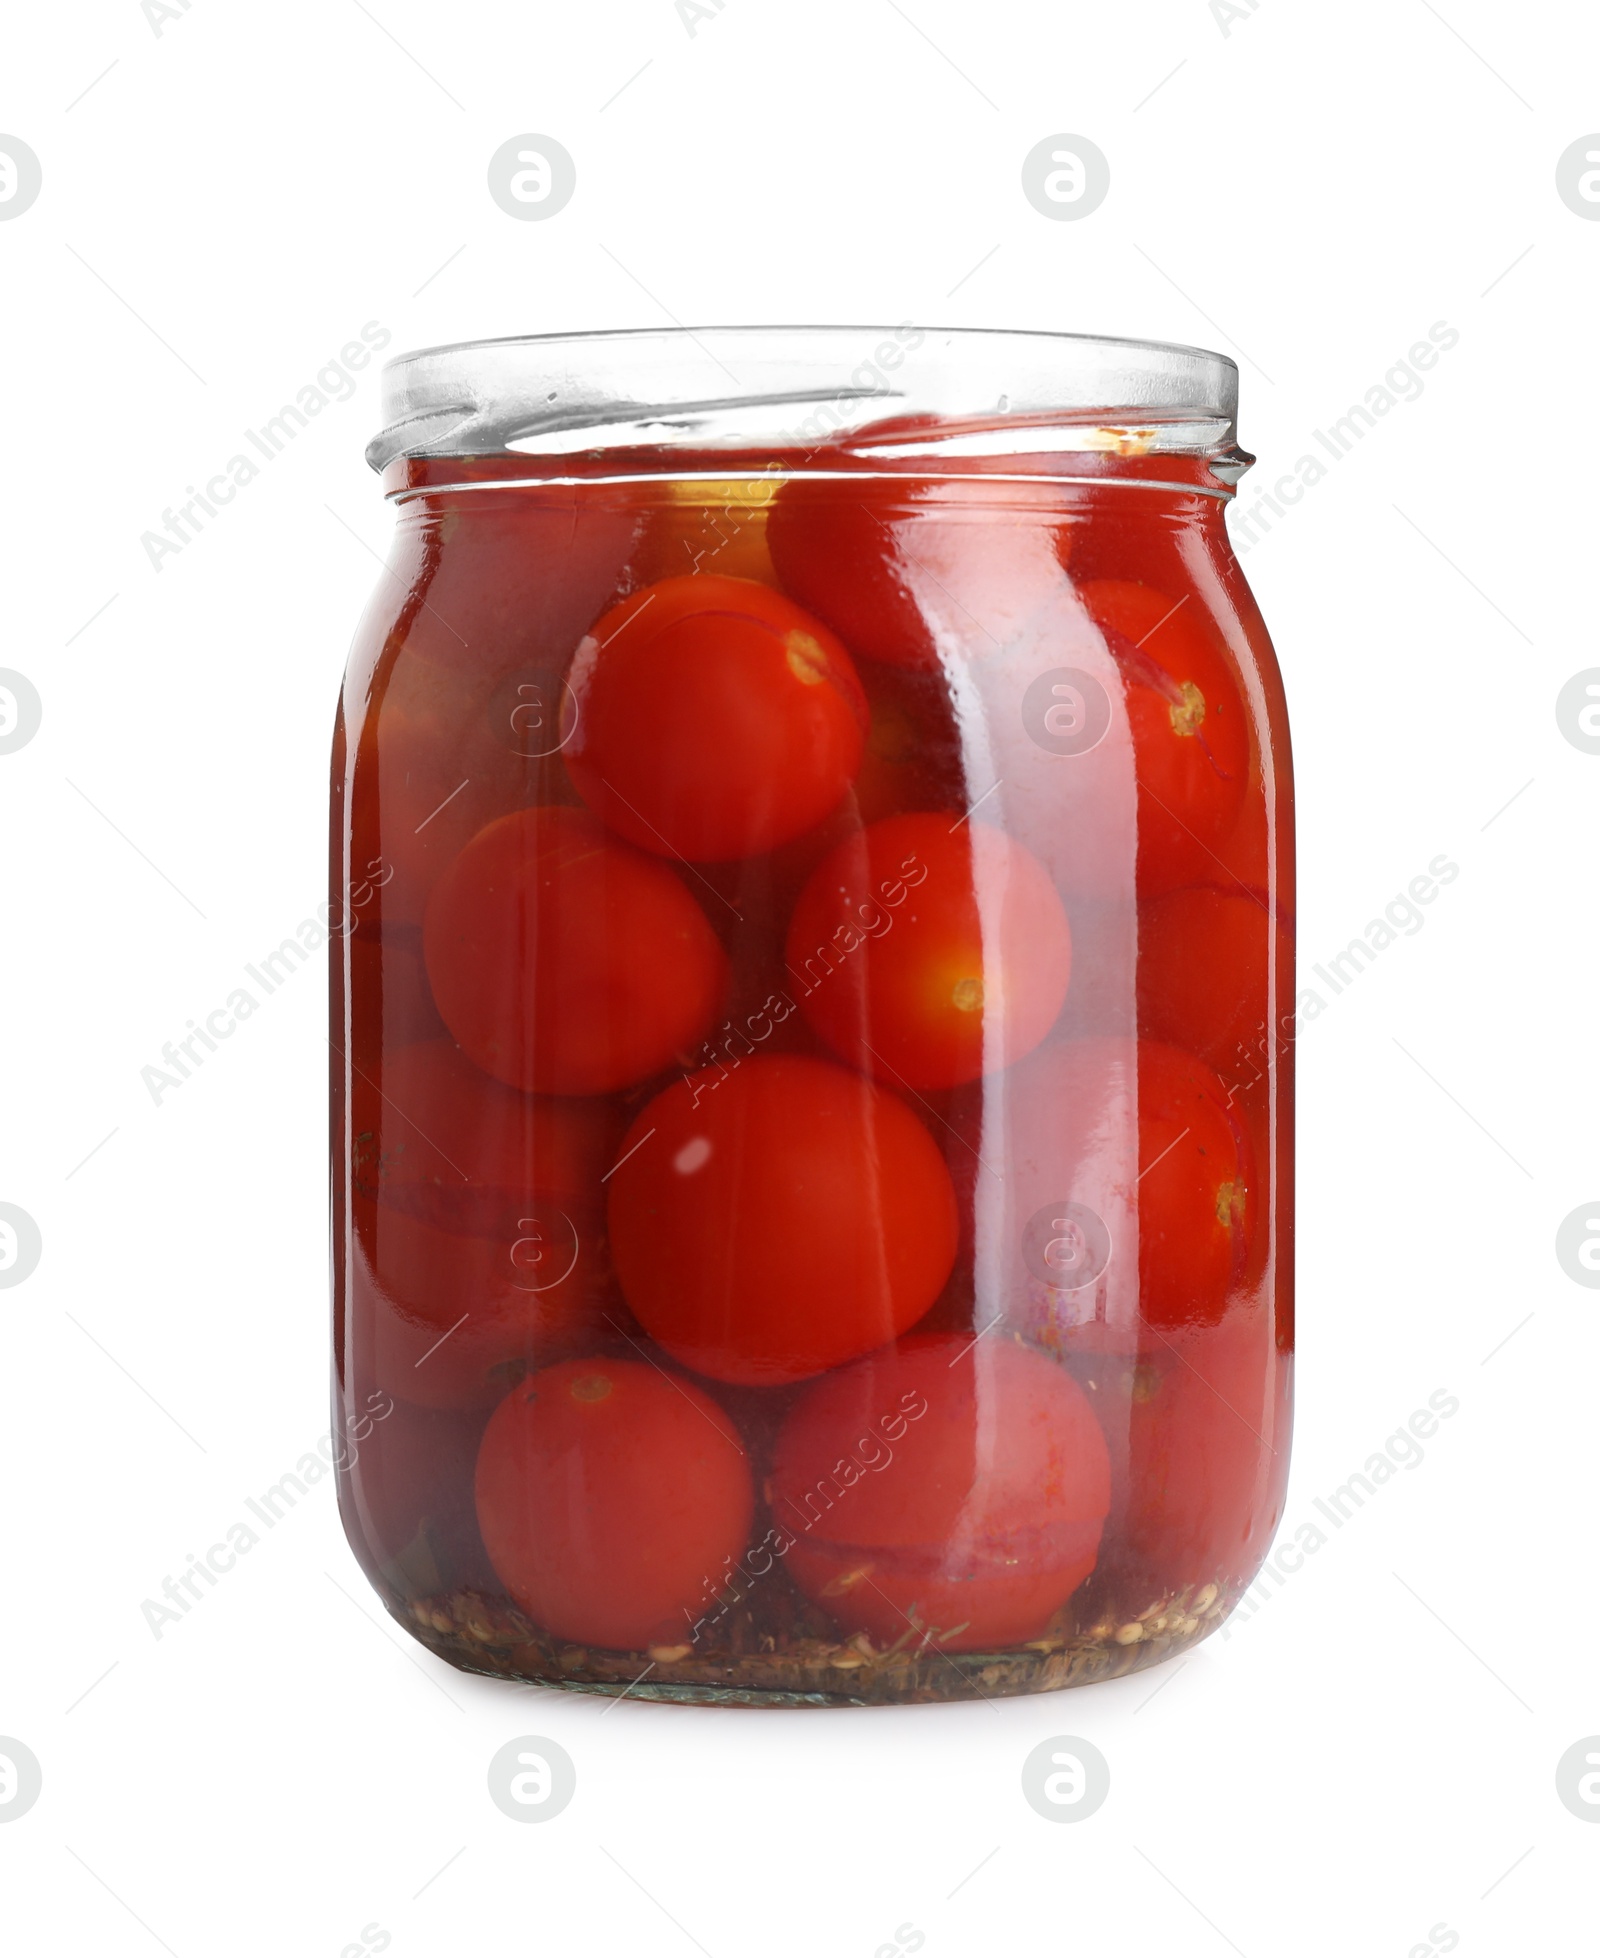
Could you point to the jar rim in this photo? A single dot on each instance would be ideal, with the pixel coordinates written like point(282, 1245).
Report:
point(858, 391)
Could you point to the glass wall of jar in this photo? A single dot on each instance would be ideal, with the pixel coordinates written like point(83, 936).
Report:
point(812, 1019)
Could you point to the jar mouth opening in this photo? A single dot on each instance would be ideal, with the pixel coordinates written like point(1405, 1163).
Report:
point(888, 396)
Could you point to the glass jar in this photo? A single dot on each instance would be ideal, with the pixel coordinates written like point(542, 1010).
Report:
point(811, 1016)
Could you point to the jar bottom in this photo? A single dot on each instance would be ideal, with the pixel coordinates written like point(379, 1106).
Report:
point(479, 1634)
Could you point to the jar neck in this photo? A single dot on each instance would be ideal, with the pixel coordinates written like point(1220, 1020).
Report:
point(1211, 478)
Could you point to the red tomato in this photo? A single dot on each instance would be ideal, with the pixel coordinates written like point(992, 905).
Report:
point(460, 720)
point(1206, 975)
point(1208, 1444)
point(715, 719)
point(387, 1002)
point(1047, 1172)
point(439, 758)
point(949, 1486)
point(859, 559)
point(1112, 536)
point(434, 1136)
point(1190, 740)
point(914, 755)
point(1055, 1203)
point(611, 1496)
point(1196, 1203)
point(451, 1321)
point(842, 557)
point(930, 953)
point(499, 579)
point(565, 962)
point(778, 1219)
point(1244, 853)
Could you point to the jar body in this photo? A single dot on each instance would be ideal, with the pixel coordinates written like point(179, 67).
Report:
point(812, 1079)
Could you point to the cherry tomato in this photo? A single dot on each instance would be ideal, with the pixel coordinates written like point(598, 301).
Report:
point(714, 719)
point(1208, 1442)
point(1207, 977)
point(387, 1002)
point(451, 1321)
point(440, 757)
point(866, 562)
point(841, 558)
point(1112, 537)
point(565, 962)
point(1047, 1173)
point(434, 1136)
point(1190, 741)
point(948, 1486)
point(914, 756)
point(610, 1497)
point(465, 716)
point(1217, 976)
point(779, 1218)
point(501, 579)
point(1056, 1204)
point(1244, 853)
point(930, 953)
point(1196, 1203)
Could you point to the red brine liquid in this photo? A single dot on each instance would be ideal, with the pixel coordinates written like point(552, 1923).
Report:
point(811, 1077)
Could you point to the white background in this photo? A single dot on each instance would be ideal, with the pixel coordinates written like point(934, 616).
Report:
point(1360, 1763)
